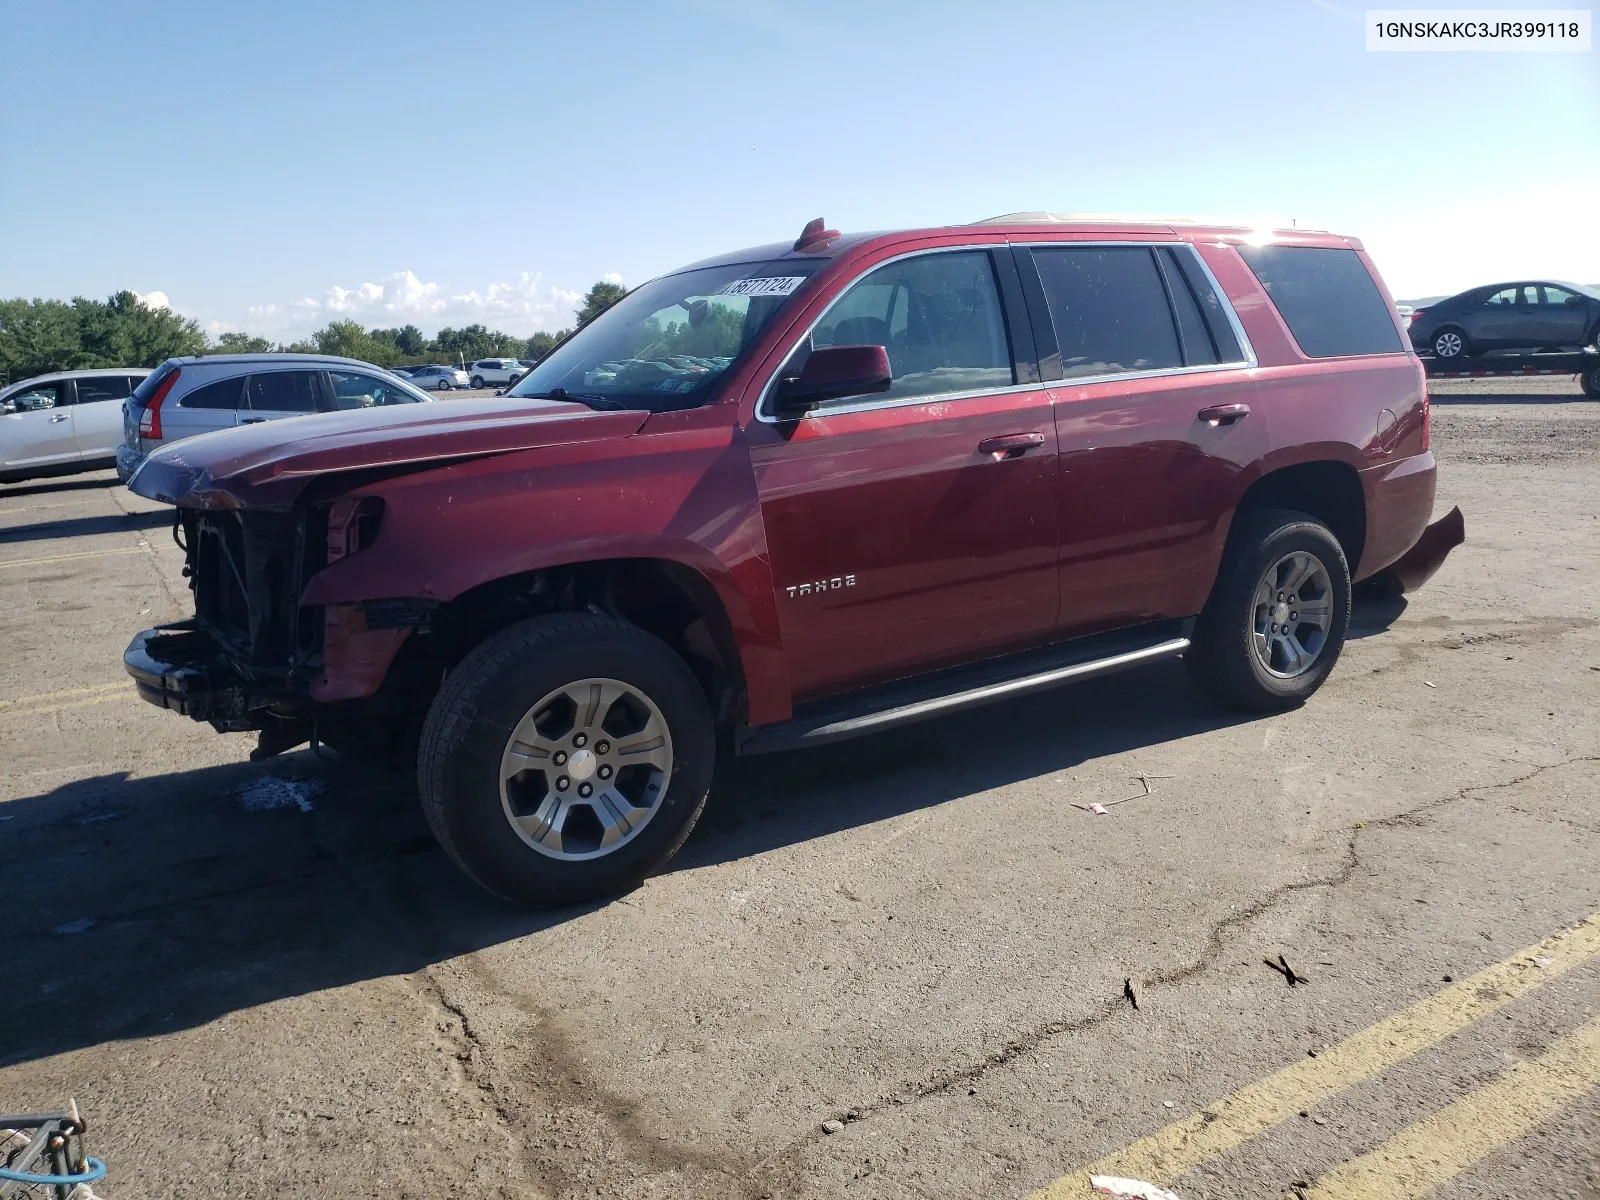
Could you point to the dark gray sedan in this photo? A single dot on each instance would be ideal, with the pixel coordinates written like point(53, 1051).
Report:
point(1508, 316)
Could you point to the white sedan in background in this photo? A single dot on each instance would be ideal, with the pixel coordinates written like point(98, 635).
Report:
point(65, 422)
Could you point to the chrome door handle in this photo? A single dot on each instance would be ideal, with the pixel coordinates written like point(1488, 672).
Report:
point(1010, 445)
point(1224, 414)
point(60, 417)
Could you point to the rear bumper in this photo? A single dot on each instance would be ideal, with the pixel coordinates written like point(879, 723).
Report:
point(128, 460)
point(1403, 551)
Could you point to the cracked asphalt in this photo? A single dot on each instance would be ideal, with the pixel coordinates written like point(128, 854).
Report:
point(265, 979)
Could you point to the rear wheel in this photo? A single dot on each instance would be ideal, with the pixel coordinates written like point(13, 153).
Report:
point(565, 759)
point(1591, 382)
point(1277, 617)
point(1449, 342)
point(477, 381)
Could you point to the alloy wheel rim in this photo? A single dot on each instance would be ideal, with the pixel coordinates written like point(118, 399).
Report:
point(585, 769)
point(1292, 615)
point(1447, 345)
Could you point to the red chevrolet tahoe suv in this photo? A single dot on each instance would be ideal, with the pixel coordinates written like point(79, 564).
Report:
point(800, 493)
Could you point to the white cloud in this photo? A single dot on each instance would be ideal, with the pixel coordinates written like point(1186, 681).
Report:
point(521, 307)
point(153, 299)
point(612, 277)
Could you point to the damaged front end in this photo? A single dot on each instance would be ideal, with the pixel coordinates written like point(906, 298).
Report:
point(252, 657)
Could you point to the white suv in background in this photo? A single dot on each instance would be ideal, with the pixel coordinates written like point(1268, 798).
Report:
point(494, 372)
point(63, 423)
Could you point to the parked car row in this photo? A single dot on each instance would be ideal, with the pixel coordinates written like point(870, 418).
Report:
point(485, 373)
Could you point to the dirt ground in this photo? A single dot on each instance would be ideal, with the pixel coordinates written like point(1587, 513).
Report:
point(266, 980)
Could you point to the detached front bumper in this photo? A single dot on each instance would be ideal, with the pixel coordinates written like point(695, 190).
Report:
point(177, 667)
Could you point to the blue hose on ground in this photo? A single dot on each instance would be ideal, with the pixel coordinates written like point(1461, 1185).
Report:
point(97, 1170)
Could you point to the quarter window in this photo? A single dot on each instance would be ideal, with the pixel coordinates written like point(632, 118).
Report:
point(283, 391)
point(937, 315)
point(1327, 298)
point(1109, 309)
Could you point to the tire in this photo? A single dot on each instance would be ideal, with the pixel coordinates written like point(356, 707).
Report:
point(1449, 342)
point(477, 381)
point(1226, 655)
point(1591, 382)
point(493, 695)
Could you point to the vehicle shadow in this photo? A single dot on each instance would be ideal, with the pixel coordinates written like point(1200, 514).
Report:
point(34, 487)
point(72, 527)
point(137, 906)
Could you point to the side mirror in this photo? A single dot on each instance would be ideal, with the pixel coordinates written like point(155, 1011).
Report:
point(833, 372)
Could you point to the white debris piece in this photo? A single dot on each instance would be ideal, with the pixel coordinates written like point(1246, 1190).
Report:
point(1133, 1189)
point(270, 791)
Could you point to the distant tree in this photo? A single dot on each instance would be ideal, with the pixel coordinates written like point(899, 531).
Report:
point(410, 340)
point(122, 331)
point(348, 339)
point(474, 341)
point(234, 342)
point(542, 343)
point(599, 298)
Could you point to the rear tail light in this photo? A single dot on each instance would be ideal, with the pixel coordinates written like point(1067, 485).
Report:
point(150, 419)
point(1427, 409)
point(1415, 317)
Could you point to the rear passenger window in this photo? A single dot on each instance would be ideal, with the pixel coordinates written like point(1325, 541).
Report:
point(937, 315)
point(283, 391)
point(1327, 299)
point(103, 387)
point(1109, 308)
point(224, 393)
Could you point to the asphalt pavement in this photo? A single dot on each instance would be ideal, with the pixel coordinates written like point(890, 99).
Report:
point(890, 968)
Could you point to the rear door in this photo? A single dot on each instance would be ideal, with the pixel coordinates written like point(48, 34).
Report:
point(1152, 382)
point(270, 395)
point(917, 528)
point(97, 414)
point(36, 427)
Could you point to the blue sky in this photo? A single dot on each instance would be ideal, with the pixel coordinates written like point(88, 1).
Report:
point(272, 166)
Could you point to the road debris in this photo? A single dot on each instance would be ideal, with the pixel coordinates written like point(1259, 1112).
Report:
point(1100, 809)
point(272, 791)
point(1132, 1189)
point(832, 1126)
point(1127, 994)
point(81, 925)
point(1283, 968)
point(1429, 683)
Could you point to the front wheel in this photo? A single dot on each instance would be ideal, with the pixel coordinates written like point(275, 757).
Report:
point(477, 381)
point(1277, 617)
point(565, 759)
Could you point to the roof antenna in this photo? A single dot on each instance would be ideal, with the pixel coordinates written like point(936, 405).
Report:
point(814, 235)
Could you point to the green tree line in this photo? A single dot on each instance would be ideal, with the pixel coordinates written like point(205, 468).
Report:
point(38, 336)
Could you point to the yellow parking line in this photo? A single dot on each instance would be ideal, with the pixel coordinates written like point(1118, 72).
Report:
point(1437, 1148)
point(65, 693)
point(52, 558)
point(1257, 1107)
point(125, 694)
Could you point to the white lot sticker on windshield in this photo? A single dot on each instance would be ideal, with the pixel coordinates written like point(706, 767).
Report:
point(767, 285)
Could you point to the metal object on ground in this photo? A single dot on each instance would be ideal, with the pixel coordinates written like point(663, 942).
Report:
point(45, 1151)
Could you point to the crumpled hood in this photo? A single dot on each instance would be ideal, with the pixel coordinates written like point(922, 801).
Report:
point(270, 463)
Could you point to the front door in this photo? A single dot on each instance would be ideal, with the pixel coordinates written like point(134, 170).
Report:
point(1563, 316)
point(916, 528)
point(36, 427)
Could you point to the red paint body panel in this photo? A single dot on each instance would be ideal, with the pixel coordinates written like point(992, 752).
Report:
point(1119, 514)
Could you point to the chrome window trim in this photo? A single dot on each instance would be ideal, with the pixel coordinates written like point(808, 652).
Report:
point(1248, 362)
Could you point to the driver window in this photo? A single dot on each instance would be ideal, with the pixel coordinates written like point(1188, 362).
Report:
point(937, 315)
point(45, 395)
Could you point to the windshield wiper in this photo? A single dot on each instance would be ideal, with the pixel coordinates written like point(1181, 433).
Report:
point(600, 403)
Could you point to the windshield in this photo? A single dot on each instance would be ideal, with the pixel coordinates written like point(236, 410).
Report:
point(666, 344)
